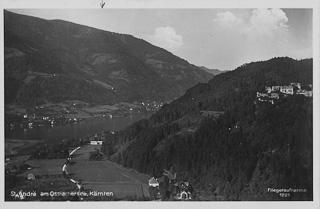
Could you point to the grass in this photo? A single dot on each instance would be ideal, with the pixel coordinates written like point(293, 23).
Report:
point(100, 109)
point(107, 176)
point(44, 167)
point(42, 184)
point(14, 146)
point(215, 114)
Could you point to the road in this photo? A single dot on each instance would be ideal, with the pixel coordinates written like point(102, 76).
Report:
point(106, 176)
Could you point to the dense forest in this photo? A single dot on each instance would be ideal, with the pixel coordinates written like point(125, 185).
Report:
point(248, 149)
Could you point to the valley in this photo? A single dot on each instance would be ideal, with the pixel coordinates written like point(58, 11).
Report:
point(88, 110)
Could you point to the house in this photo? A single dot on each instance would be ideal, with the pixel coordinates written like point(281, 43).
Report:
point(153, 182)
point(274, 96)
point(268, 89)
point(261, 94)
point(308, 94)
point(298, 85)
point(265, 100)
point(305, 93)
point(96, 142)
point(286, 89)
point(275, 88)
point(31, 176)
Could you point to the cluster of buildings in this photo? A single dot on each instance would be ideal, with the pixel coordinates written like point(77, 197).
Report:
point(152, 105)
point(32, 120)
point(274, 92)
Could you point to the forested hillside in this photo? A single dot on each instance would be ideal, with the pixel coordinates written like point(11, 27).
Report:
point(225, 142)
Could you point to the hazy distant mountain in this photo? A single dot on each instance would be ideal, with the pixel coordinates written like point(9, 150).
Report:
point(212, 71)
point(55, 60)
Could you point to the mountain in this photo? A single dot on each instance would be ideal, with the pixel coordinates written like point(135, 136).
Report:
point(55, 60)
point(212, 71)
point(225, 141)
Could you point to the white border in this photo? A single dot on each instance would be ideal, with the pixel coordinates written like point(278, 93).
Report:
point(95, 4)
point(113, 4)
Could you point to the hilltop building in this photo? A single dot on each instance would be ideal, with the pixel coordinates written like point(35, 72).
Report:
point(274, 92)
point(286, 89)
point(305, 93)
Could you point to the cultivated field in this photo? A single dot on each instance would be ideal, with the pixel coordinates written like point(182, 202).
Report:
point(12, 146)
point(106, 176)
point(44, 167)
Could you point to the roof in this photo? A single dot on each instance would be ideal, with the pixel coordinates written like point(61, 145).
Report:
point(153, 182)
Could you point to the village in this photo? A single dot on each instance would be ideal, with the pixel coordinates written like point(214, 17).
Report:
point(275, 92)
point(73, 111)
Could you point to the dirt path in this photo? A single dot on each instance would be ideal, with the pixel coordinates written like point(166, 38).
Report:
point(106, 176)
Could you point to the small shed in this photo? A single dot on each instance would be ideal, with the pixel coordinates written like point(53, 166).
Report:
point(31, 176)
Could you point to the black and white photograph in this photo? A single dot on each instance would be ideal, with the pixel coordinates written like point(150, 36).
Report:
point(149, 102)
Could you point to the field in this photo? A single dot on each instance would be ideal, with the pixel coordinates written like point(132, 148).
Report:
point(99, 109)
point(12, 146)
point(215, 114)
point(94, 176)
point(48, 177)
point(44, 188)
point(44, 167)
point(107, 176)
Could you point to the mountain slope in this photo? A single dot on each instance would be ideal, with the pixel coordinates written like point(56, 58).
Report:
point(225, 142)
point(212, 71)
point(54, 60)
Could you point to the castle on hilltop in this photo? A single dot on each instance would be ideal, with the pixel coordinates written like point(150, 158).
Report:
point(274, 92)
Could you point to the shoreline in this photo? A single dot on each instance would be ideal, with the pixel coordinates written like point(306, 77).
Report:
point(63, 132)
point(72, 111)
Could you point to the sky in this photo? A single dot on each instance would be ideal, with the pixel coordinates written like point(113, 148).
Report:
point(215, 38)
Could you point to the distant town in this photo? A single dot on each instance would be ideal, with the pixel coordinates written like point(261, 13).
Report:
point(74, 111)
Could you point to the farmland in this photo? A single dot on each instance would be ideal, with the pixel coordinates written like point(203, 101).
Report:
point(13, 146)
point(106, 176)
point(48, 178)
point(44, 167)
point(96, 177)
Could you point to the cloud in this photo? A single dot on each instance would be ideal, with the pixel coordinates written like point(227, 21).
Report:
point(226, 19)
point(262, 22)
point(274, 18)
point(268, 22)
point(267, 34)
point(262, 35)
point(166, 37)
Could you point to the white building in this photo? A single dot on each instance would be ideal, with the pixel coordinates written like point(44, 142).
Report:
point(274, 96)
point(276, 88)
point(96, 142)
point(298, 85)
point(261, 94)
point(268, 89)
point(286, 89)
point(153, 182)
point(305, 93)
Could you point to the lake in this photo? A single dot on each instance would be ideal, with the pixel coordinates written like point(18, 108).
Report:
point(88, 127)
